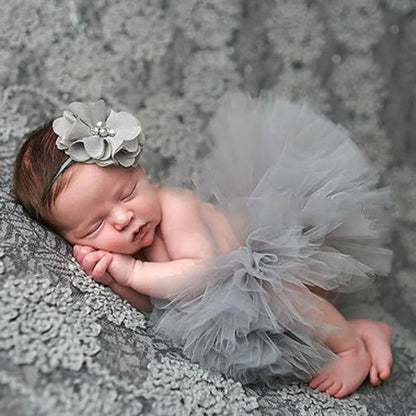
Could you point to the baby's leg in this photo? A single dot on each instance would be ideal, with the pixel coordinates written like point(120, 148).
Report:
point(346, 373)
point(376, 337)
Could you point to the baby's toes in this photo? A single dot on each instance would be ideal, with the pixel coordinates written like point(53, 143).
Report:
point(386, 329)
point(388, 362)
point(343, 391)
point(325, 384)
point(335, 388)
point(316, 381)
point(384, 371)
point(374, 380)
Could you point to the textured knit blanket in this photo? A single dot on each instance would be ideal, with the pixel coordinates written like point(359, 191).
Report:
point(69, 346)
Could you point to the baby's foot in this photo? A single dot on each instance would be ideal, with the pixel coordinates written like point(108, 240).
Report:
point(376, 337)
point(345, 374)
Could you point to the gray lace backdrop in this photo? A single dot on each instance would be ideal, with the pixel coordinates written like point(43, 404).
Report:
point(69, 346)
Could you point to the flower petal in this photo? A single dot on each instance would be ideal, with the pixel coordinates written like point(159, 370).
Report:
point(107, 162)
point(98, 112)
point(77, 152)
point(107, 152)
point(82, 111)
point(117, 144)
point(124, 124)
point(125, 159)
point(62, 124)
point(131, 145)
point(94, 146)
point(78, 130)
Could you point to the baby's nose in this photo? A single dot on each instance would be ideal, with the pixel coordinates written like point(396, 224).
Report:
point(121, 218)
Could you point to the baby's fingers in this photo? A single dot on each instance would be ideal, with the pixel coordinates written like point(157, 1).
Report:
point(81, 251)
point(99, 272)
point(90, 260)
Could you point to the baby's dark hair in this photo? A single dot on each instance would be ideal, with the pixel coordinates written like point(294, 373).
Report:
point(36, 164)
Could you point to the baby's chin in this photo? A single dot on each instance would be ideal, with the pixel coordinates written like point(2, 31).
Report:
point(130, 251)
point(137, 251)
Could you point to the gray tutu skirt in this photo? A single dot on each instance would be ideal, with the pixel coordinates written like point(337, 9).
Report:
point(314, 220)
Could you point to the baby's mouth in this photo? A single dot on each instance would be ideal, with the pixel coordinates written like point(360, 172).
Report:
point(140, 231)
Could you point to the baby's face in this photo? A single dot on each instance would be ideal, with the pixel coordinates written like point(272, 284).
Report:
point(109, 208)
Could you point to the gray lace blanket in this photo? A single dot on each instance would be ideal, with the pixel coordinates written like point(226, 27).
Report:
point(69, 346)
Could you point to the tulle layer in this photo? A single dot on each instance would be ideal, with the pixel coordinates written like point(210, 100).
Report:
point(313, 218)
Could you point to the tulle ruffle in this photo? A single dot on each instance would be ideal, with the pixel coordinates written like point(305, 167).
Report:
point(313, 218)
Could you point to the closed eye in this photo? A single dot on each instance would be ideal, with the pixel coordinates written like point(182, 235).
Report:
point(94, 229)
point(129, 195)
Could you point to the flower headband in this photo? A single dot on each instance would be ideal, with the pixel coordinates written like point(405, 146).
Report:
point(90, 133)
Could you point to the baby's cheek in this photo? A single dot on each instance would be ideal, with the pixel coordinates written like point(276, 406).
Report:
point(112, 240)
point(103, 242)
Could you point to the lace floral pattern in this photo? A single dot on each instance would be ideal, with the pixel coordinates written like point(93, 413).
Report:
point(69, 346)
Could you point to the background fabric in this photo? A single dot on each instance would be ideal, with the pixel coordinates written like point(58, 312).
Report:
point(69, 346)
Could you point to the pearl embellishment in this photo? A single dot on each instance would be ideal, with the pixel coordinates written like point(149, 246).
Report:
point(100, 129)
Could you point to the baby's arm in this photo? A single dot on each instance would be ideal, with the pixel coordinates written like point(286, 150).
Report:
point(136, 299)
point(163, 280)
point(125, 274)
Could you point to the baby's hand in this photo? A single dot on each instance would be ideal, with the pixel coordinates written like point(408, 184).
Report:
point(95, 263)
point(122, 268)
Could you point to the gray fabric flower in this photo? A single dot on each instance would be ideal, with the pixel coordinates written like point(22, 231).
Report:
point(89, 133)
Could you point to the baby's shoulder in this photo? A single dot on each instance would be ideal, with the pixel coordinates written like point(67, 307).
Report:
point(178, 200)
point(182, 227)
point(180, 208)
